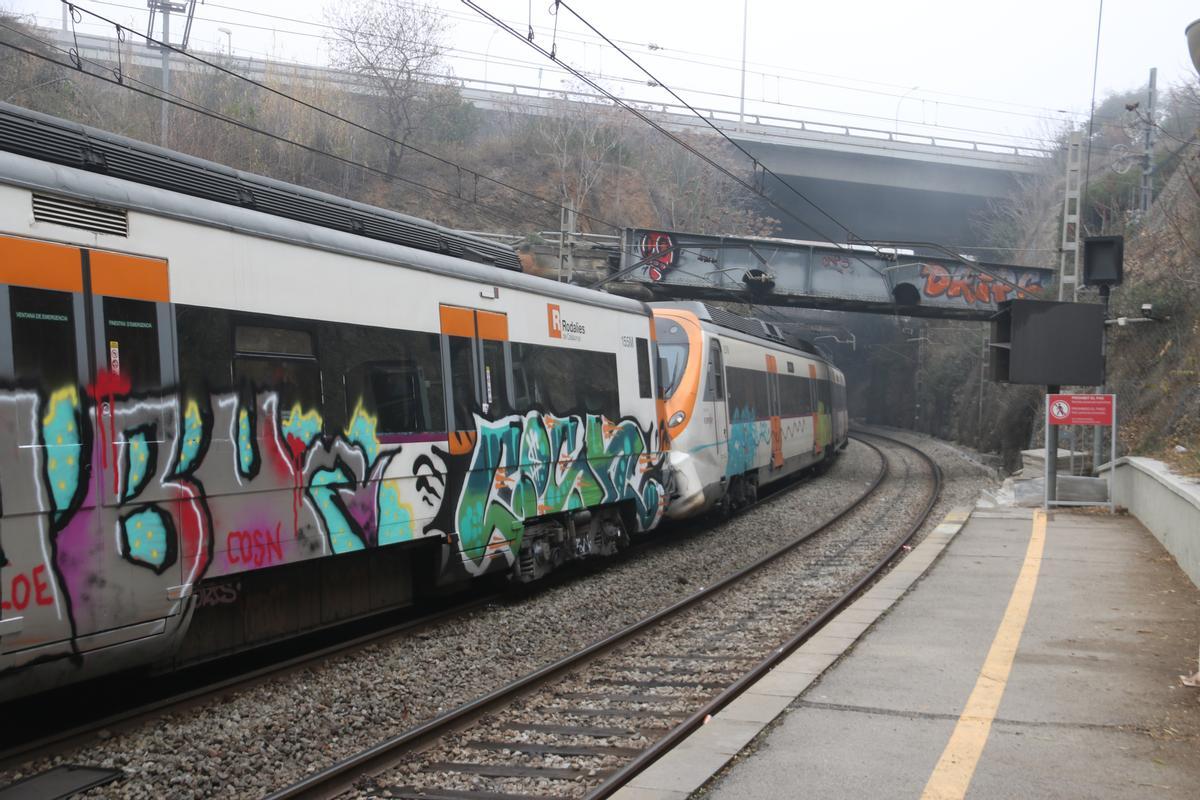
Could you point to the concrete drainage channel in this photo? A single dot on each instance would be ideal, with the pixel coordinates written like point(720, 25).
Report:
point(589, 723)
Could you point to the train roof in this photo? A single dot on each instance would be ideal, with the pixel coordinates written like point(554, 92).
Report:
point(752, 326)
point(99, 193)
point(60, 141)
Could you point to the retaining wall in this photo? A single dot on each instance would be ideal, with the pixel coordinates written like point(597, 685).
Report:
point(1167, 504)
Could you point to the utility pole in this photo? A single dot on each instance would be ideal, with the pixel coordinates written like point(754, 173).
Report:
point(1148, 151)
point(566, 241)
point(166, 74)
point(742, 104)
point(187, 7)
point(1068, 267)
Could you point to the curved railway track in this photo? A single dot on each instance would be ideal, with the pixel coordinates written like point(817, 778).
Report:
point(586, 724)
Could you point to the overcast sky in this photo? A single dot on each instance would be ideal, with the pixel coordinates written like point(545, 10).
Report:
point(978, 70)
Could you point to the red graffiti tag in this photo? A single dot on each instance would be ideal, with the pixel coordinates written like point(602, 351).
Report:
point(659, 250)
point(26, 588)
point(254, 547)
point(972, 286)
point(104, 391)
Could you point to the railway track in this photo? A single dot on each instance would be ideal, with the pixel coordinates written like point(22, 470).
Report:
point(586, 724)
point(201, 692)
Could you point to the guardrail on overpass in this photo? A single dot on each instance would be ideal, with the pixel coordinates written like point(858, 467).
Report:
point(500, 96)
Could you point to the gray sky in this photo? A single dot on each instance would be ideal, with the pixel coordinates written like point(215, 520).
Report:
point(977, 70)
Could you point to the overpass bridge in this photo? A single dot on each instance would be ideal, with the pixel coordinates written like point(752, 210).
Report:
point(882, 184)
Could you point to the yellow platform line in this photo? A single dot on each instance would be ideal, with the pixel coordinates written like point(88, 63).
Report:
point(954, 769)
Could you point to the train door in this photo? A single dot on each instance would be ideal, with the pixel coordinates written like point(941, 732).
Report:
point(138, 424)
point(477, 361)
point(814, 399)
point(714, 399)
point(773, 411)
point(68, 568)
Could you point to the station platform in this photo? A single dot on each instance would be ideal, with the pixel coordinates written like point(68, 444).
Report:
point(1018, 655)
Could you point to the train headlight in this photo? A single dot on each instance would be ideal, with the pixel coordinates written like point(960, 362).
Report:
point(676, 419)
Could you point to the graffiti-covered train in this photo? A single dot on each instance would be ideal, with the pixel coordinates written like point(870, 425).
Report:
point(234, 410)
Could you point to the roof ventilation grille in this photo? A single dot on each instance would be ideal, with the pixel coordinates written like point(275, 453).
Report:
point(74, 214)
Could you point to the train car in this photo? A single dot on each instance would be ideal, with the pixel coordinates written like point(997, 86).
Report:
point(743, 408)
point(234, 410)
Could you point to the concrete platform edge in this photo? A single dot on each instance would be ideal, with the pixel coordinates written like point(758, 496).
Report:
point(703, 754)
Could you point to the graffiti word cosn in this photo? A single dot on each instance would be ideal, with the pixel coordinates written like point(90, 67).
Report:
point(257, 547)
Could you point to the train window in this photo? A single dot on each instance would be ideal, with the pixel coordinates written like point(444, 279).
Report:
point(43, 334)
point(495, 379)
point(205, 345)
point(794, 394)
point(261, 340)
point(462, 380)
point(749, 392)
point(563, 381)
point(400, 394)
point(672, 354)
point(282, 360)
point(131, 342)
point(714, 382)
point(643, 364)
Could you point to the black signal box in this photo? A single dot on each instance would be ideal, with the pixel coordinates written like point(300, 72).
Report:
point(1048, 344)
point(1103, 260)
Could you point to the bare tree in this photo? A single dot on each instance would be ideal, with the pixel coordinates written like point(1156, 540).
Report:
point(396, 46)
point(580, 138)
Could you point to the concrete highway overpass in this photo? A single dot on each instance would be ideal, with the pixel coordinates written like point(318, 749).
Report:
point(882, 184)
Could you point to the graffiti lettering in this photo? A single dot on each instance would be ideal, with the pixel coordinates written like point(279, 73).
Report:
point(973, 287)
point(221, 594)
point(132, 495)
point(258, 547)
point(839, 263)
point(28, 588)
point(540, 464)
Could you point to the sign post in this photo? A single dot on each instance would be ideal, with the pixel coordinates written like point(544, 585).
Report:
point(1079, 409)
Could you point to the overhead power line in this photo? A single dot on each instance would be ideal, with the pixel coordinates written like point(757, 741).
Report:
point(757, 166)
point(468, 171)
point(106, 74)
point(702, 59)
point(738, 179)
point(475, 56)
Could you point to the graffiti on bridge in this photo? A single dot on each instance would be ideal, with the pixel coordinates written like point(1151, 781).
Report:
point(970, 286)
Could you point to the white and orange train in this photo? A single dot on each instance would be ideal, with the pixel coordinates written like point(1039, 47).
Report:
point(234, 410)
point(743, 408)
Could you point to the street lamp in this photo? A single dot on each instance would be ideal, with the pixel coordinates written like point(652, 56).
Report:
point(229, 38)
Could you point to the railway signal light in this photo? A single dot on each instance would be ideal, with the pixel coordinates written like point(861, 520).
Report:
point(1103, 260)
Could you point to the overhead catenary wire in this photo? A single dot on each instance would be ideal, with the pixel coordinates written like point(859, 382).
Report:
point(470, 55)
point(658, 127)
point(665, 53)
point(976, 267)
point(345, 120)
point(181, 102)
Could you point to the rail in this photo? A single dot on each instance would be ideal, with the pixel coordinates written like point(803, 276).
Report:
point(342, 775)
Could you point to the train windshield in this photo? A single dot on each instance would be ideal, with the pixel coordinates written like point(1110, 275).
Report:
point(672, 354)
